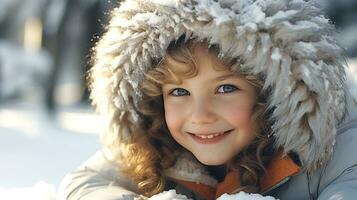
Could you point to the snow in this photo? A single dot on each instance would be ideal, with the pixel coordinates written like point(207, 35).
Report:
point(168, 195)
point(149, 18)
point(37, 149)
point(172, 195)
point(245, 196)
point(41, 191)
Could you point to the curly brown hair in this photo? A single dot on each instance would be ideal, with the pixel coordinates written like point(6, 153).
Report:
point(148, 155)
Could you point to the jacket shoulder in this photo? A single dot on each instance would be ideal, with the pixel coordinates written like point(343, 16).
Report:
point(97, 178)
point(341, 170)
point(338, 177)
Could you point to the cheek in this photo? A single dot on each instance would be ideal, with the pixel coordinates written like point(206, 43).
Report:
point(239, 116)
point(171, 120)
point(173, 117)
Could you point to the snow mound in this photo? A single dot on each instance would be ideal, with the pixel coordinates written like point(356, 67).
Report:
point(40, 191)
point(168, 195)
point(245, 196)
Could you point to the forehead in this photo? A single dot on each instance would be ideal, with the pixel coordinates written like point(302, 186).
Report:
point(202, 58)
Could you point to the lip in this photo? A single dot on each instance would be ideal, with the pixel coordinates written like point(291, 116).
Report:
point(209, 138)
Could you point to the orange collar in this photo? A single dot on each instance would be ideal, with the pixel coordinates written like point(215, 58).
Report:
point(281, 167)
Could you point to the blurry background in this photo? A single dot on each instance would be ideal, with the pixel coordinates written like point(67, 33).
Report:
point(47, 126)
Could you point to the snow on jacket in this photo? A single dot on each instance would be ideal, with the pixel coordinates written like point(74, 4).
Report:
point(289, 42)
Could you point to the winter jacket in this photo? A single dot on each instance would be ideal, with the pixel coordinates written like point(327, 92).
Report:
point(289, 43)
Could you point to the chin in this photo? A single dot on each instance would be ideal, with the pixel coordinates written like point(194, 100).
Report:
point(211, 161)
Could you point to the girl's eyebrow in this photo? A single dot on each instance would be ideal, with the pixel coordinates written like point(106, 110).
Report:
point(226, 76)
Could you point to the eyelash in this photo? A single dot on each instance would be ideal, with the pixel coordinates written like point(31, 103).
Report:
point(175, 90)
point(233, 88)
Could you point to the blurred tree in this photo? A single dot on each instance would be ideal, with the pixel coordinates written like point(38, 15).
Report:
point(23, 61)
point(76, 33)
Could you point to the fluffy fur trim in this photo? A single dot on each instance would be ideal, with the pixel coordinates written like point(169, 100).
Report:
point(189, 169)
point(288, 42)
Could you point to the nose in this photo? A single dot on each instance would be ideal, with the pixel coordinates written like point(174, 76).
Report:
point(202, 112)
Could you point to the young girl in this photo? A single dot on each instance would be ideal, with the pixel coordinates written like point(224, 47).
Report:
point(213, 97)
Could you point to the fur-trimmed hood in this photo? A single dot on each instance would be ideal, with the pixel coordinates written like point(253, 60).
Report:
point(288, 42)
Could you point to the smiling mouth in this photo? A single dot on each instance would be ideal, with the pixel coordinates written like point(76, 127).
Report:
point(210, 136)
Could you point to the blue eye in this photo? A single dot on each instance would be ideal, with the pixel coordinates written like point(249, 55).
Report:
point(226, 88)
point(179, 92)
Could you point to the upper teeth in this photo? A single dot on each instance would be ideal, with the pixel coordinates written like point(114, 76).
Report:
point(210, 136)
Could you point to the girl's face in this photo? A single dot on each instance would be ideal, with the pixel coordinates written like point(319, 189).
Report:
point(210, 114)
